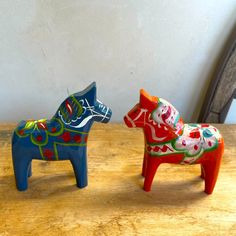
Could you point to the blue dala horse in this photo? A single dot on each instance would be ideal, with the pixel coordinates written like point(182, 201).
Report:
point(64, 137)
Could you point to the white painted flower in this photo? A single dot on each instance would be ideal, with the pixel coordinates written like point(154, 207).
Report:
point(195, 140)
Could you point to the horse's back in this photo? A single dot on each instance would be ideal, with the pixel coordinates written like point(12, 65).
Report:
point(198, 139)
point(22, 139)
point(26, 127)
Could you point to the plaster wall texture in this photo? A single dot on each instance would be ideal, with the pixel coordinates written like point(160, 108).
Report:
point(168, 47)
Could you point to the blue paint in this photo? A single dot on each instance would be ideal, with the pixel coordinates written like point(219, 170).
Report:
point(64, 137)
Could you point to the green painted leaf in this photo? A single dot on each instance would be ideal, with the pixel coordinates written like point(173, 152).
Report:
point(29, 125)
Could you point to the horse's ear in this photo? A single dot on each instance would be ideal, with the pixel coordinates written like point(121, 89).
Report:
point(147, 101)
point(91, 92)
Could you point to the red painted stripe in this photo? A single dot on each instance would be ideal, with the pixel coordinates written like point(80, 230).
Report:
point(68, 107)
point(42, 125)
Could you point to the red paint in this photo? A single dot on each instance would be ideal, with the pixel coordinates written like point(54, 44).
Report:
point(205, 125)
point(42, 125)
point(195, 133)
point(86, 138)
point(140, 117)
point(21, 132)
point(156, 149)
point(48, 153)
point(163, 149)
point(166, 115)
point(39, 138)
point(54, 129)
point(77, 138)
point(69, 108)
point(66, 136)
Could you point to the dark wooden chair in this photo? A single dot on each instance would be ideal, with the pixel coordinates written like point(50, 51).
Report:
point(222, 88)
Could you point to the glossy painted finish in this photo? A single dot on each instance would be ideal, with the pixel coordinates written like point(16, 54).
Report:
point(169, 140)
point(64, 137)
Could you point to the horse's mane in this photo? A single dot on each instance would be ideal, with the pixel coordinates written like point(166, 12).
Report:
point(70, 109)
point(166, 114)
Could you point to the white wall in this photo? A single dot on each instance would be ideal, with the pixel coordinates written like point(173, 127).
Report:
point(231, 115)
point(168, 47)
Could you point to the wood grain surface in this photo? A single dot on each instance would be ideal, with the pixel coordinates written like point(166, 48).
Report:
point(114, 202)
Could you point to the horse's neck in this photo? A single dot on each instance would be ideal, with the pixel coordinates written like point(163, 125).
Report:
point(86, 128)
point(157, 133)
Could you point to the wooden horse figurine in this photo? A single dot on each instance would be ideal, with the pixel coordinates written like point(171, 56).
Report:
point(64, 137)
point(169, 140)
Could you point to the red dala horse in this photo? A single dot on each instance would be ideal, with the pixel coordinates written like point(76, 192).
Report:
point(169, 140)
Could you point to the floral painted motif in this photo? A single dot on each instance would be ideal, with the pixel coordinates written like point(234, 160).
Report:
point(160, 149)
point(48, 134)
point(71, 110)
point(195, 140)
point(167, 114)
point(39, 130)
point(192, 143)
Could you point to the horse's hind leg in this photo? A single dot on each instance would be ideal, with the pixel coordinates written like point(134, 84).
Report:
point(211, 170)
point(21, 169)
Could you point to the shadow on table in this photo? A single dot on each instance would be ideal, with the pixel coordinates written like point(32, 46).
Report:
point(125, 192)
point(181, 192)
point(38, 187)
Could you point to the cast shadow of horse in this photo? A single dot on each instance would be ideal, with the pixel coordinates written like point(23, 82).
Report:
point(167, 193)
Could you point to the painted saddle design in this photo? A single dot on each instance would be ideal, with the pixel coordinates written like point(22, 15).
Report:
point(169, 140)
point(64, 137)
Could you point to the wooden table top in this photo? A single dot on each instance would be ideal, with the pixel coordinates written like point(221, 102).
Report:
point(114, 202)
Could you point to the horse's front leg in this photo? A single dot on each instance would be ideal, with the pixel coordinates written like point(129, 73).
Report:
point(145, 155)
point(79, 162)
point(152, 165)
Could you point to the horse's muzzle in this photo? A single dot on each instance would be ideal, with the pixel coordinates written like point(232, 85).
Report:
point(108, 116)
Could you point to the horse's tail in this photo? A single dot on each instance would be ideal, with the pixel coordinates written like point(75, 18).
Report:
point(14, 138)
